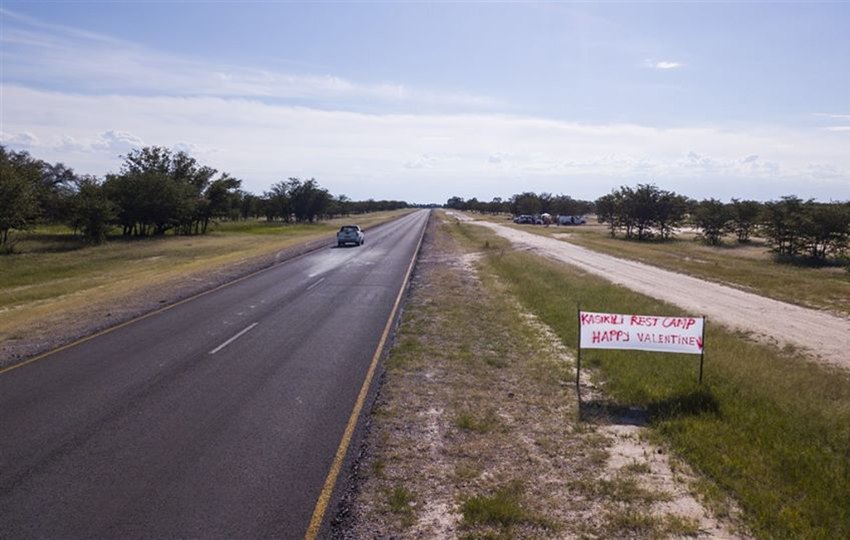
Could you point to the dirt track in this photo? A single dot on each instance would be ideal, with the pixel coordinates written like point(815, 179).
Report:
point(824, 335)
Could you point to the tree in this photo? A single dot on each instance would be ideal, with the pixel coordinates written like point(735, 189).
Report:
point(607, 211)
point(309, 201)
point(19, 178)
point(455, 203)
point(249, 205)
point(158, 190)
point(670, 213)
point(91, 211)
point(278, 204)
point(745, 216)
point(642, 206)
point(782, 223)
point(712, 217)
point(220, 198)
point(824, 229)
point(57, 184)
point(526, 203)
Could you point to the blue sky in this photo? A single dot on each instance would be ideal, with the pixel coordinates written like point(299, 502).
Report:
point(427, 100)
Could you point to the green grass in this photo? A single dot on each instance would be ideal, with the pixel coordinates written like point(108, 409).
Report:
point(399, 499)
point(481, 423)
point(623, 488)
point(768, 428)
point(749, 266)
point(502, 508)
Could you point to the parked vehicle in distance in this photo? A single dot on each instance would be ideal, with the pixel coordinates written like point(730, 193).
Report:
point(350, 234)
point(527, 219)
point(571, 220)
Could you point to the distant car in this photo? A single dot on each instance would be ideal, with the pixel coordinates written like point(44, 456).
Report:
point(526, 219)
point(571, 220)
point(350, 234)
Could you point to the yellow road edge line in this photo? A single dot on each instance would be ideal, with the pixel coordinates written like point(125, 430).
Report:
point(336, 466)
point(82, 340)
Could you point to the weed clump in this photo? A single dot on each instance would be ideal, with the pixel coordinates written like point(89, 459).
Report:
point(501, 508)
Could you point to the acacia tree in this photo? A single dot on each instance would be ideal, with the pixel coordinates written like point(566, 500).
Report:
point(608, 211)
point(219, 199)
point(643, 211)
point(157, 190)
point(642, 205)
point(309, 201)
point(90, 210)
point(745, 216)
point(526, 203)
point(19, 178)
point(824, 229)
point(670, 213)
point(781, 224)
point(277, 202)
point(712, 218)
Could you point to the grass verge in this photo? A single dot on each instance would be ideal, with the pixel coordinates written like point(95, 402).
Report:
point(770, 429)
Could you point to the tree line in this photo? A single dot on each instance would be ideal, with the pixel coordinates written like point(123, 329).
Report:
point(156, 191)
point(792, 227)
point(525, 203)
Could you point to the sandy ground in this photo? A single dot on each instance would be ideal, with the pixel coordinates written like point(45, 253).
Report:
point(825, 336)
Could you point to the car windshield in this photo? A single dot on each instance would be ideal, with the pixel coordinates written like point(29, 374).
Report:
point(348, 228)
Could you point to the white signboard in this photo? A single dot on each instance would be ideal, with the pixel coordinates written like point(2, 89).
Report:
point(641, 332)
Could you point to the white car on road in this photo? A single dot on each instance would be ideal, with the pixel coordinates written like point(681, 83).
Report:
point(350, 234)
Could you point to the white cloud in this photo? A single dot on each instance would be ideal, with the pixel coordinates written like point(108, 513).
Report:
point(111, 142)
point(667, 65)
point(662, 64)
point(838, 128)
point(422, 162)
point(23, 139)
point(84, 62)
point(833, 116)
point(428, 157)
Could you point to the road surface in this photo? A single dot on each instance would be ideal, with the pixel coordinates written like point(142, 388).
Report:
point(218, 418)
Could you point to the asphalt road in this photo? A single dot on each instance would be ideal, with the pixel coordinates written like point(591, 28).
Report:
point(169, 427)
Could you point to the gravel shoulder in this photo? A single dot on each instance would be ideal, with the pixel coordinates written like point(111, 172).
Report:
point(820, 335)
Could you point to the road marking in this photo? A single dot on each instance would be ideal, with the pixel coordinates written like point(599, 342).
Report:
point(336, 466)
point(314, 284)
point(234, 338)
point(82, 340)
